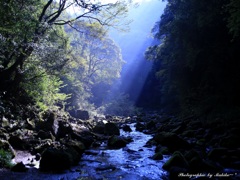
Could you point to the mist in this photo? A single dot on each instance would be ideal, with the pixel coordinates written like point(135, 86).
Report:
point(133, 45)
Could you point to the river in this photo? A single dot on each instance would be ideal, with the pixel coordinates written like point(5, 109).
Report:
point(130, 163)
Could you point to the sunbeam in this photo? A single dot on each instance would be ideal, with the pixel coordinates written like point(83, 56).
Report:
point(134, 44)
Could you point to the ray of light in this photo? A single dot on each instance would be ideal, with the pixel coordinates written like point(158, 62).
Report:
point(134, 44)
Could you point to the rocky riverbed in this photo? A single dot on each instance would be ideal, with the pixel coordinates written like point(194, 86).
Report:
point(147, 146)
point(128, 158)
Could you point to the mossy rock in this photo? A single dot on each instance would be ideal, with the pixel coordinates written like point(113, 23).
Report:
point(127, 128)
point(209, 166)
point(57, 160)
point(230, 142)
point(171, 141)
point(5, 123)
point(4, 145)
point(165, 151)
point(201, 142)
point(64, 129)
point(188, 133)
point(111, 129)
point(5, 158)
point(191, 154)
point(18, 142)
point(177, 160)
point(30, 124)
point(45, 135)
point(77, 145)
point(117, 142)
point(179, 129)
point(195, 124)
point(216, 153)
point(49, 122)
point(99, 128)
point(162, 149)
point(19, 167)
point(140, 126)
point(46, 143)
point(151, 125)
point(157, 156)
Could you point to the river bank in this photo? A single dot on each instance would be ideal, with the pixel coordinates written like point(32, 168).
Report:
point(147, 146)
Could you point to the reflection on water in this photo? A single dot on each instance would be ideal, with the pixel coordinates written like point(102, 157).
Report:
point(132, 161)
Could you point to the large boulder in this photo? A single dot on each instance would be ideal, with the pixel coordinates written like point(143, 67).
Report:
point(45, 135)
point(117, 142)
point(231, 141)
point(5, 123)
point(79, 114)
point(162, 149)
point(7, 147)
point(111, 129)
point(99, 128)
point(177, 160)
point(172, 141)
point(57, 160)
point(3, 133)
point(64, 129)
point(19, 167)
point(157, 156)
point(127, 128)
point(151, 125)
point(77, 145)
point(49, 122)
point(17, 142)
point(140, 126)
point(40, 147)
point(86, 137)
point(216, 153)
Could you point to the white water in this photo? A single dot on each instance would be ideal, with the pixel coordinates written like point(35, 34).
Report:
point(134, 161)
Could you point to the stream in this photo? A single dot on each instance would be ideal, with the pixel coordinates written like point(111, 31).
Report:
point(131, 162)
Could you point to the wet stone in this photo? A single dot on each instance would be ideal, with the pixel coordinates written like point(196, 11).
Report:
point(19, 167)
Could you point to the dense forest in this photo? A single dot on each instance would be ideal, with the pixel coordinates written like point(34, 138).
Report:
point(53, 58)
point(196, 63)
point(60, 61)
point(59, 74)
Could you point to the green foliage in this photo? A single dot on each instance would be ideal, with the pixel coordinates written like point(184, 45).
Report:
point(234, 18)
point(45, 91)
point(95, 60)
point(5, 159)
point(35, 50)
point(18, 22)
point(41, 80)
point(196, 62)
point(97, 57)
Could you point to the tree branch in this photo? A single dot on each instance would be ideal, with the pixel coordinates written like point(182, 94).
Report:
point(44, 10)
point(59, 12)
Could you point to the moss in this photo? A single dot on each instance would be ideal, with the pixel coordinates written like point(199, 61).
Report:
point(177, 160)
point(157, 156)
point(5, 159)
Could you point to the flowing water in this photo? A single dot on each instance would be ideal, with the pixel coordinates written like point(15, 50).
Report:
point(131, 163)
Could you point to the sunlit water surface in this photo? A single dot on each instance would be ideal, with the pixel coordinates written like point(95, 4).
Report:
point(132, 162)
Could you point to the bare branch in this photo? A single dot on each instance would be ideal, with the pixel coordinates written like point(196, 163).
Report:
point(44, 10)
point(59, 12)
point(84, 15)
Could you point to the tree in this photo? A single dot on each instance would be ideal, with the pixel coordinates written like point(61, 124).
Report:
point(97, 61)
point(40, 17)
point(196, 61)
point(43, 69)
point(234, 17)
